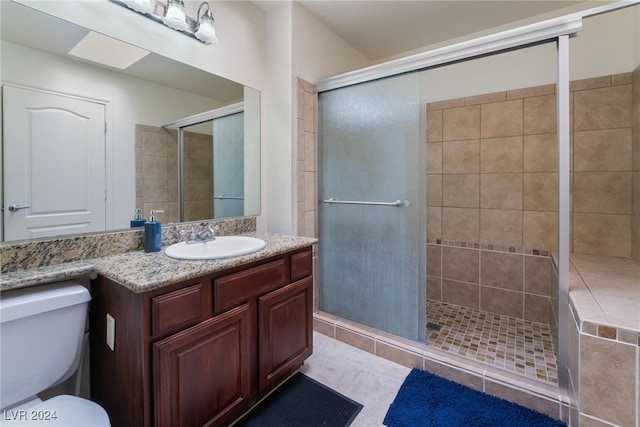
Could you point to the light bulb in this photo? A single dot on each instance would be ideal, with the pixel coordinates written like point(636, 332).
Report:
point(206, 30)
point(142, 6)
point(174, 17)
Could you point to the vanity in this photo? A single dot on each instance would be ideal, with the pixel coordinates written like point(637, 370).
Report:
point(192, 342)
point(201, 351)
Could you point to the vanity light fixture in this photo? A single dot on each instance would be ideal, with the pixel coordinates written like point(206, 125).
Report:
point(205, 30)
point(172, 14)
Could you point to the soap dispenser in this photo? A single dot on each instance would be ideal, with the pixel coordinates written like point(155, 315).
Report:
point(153, 232)
point(137, 220)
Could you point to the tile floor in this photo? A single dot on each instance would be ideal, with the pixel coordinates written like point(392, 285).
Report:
point(505, 342)
point(361, 376)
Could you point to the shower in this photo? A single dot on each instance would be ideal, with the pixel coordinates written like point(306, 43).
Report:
point(464, 264)
point(529, 172)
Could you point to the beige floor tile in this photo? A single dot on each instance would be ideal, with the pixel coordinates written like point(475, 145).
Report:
point(361, 376)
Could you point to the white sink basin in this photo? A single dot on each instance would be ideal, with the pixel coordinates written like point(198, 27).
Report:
point(222, 247)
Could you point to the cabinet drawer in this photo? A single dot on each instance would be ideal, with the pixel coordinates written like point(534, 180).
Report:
point(234, 289)
point(179, 309)
point(301, 265)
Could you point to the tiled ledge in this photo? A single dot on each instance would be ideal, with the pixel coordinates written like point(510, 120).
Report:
point(604, 295)
point(530, 393)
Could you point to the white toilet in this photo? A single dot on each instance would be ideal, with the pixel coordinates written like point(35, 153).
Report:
point(41, 337)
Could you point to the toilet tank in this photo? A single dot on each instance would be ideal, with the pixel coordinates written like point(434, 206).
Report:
point(41, 332)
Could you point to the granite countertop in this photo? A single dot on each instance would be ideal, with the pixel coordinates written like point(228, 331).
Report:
point(142, 272)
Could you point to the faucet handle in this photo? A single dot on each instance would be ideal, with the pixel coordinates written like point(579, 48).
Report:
point(212, 229)
point(191, 234)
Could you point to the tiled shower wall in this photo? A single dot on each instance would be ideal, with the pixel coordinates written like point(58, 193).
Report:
point(492, 191)
point(602, 165)
point(492, 167)
point(157, 173)
point(306, 199)
point(306, 167)
point(513, 284)
point(492, 188)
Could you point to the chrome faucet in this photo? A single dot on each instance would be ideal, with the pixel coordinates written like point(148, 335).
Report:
point(201, 233)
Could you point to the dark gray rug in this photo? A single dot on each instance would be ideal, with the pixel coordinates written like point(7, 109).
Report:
point(302, 402)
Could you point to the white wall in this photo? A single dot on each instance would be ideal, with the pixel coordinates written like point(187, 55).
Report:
point(605, 46)
point(298, 45)
point(512, 70)
point(279, 154)
point(317, 51)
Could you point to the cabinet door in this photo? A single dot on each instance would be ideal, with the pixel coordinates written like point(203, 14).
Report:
point(202, 374)
point(285, 317)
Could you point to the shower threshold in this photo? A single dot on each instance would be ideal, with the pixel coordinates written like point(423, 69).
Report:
point(505, 342)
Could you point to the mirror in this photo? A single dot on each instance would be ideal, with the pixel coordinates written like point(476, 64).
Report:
point(138, 103)
point(218, 165)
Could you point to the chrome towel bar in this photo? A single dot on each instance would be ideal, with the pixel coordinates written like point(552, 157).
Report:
point(221, 197)
point(395, 204)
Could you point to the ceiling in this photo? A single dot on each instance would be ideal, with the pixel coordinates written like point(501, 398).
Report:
point(382, 29)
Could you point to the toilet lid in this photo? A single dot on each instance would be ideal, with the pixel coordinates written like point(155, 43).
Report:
point(64, 410)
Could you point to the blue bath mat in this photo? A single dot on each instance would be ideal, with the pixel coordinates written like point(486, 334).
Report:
point(428, 400)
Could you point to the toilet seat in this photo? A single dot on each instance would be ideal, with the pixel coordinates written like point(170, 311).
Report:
point(70, 411)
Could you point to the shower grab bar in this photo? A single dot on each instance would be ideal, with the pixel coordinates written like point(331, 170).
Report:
point(396, 204)
point(221, 197)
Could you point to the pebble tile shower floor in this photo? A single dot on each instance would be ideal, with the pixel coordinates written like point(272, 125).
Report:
point(505, 342)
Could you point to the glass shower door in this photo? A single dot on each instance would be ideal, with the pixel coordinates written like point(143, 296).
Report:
point(371, 188)
point(228, 166)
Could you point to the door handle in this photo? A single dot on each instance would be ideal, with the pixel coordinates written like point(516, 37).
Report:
point(16, 208)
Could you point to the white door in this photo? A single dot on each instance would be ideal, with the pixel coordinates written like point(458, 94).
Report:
point(54, 164)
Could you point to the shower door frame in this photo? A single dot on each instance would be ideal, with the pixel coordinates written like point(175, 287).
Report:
point(558, 31)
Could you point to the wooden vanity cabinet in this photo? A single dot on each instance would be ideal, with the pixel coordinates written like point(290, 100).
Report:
point(284, 344)
point(202, 374)
point(201, 352)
